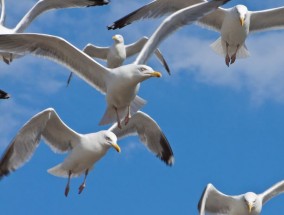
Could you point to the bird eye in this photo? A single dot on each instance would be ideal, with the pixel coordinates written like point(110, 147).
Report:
point(141, 69)
point(107, 138)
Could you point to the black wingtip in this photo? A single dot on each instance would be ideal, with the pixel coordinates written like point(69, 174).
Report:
point(98, 3)
point(167, 154)
point(4, 95)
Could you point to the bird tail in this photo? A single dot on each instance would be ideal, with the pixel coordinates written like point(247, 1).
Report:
point(220, 48)
point(110, 114)
point(58, 171)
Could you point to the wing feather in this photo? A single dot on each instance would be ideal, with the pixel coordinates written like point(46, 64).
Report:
point(60, 51)
point(272, 192)
point(96, 51)
point(149, 133)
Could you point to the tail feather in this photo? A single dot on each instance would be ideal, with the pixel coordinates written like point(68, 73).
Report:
point(137, 104)
point(59, 171)
point(220, 48)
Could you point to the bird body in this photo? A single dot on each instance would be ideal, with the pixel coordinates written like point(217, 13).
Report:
point(116, 54)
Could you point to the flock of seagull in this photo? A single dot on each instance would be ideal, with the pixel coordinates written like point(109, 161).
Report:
point(120, 84)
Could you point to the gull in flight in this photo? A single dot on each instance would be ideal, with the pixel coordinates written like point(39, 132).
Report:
point(118, 52)
point(84, 149)
point(120, 84)
point(214, 202)
point(4, 95)
point(40, 7)
point(234, 24)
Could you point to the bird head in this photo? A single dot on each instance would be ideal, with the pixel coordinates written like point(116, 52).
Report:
point(110, 139)
point(143, 72)
point(118, 38)
point(252, 202)
point(242, 12)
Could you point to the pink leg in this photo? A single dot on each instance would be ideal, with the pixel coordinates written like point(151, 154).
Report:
point(234, 56)
point(83, 185)
point(117, 118)
point(68, 184)
point(227, 59)
point(127, 115)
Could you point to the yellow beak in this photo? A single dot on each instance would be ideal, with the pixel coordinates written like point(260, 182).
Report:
point(114, 37)
point(242, 21)
point(116, 147)
point(156, 74)
point(250, 206)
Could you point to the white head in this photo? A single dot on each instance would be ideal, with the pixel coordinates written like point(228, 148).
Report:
point(118, 38)
point(242, 13)
point(252, 202)
point(109, 139)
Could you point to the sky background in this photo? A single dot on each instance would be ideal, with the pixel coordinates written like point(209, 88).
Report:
point(225, 125)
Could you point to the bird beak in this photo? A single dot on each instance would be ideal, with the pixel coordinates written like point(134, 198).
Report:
point(242, 21)
point(114, 38)
point(250, 207)
point(116, 147)
point(155, 74)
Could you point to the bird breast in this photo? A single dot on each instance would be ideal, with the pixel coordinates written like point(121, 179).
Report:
point(116, 56)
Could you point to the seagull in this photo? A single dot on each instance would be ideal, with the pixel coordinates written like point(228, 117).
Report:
point(84, 149)
point(4, 95)
point(214, 202)
point(120, 84)
point(40, 7)
point(234, 24)
point(118, 52)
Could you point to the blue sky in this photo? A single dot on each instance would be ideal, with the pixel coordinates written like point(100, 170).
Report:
point(225, 125)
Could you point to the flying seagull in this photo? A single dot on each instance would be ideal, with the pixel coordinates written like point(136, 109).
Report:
point(214, 202)
point(85, 149)
point(234, 23)
point(40, 7)
point(118, 52)
point(120, 84)
point(4, 95)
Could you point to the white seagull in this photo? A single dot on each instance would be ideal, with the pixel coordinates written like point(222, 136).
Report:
point(118, 52)
point(4, 95)
point(85, 149)
point(214, 202)
point(120, 84)
point(234, 23)
point(40, 7)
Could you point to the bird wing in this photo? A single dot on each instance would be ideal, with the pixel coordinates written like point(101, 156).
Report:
point(60, 51)
point(45, 5)
point(175, 21)
point(3, 13)
point(266, 19)
point(136, 47)
point(154, 9)
point(3, 94)
point(213, 201)
point(150, 135)
point(45, 124)
point(96, 51)
point(272, 192)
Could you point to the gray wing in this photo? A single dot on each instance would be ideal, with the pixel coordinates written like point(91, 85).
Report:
point(154, 9)
point(136, 47)
point(46, 124)
point(4, 95)
point(177, 20)
point(96, 51)
point(45, 5)
point(60, 51)
point(150, 134)
point(267, 19)
point(272, 192)
point(213, 201)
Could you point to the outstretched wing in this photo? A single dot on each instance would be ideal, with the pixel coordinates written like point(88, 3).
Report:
point(180, 18)
point(154, 9)
point(96, 51)
point(45, 5)
point(60, 51)
point(267, 19)
point(214, 202)
point(273, 191)
point(136, 47)
point(150, 134)
point(46, 124)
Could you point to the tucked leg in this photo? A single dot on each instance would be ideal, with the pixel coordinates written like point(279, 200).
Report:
point(234, 56)
point(127, 117)
point(117, 118)
point(7, 61)
point(227, 58)
point(83, 185)
point(69, 78)
point(68, 184)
